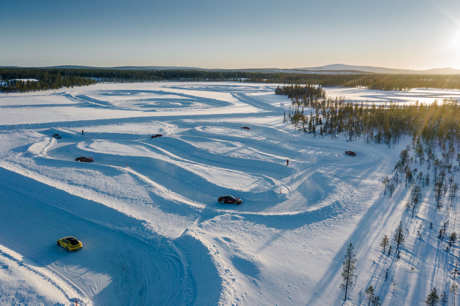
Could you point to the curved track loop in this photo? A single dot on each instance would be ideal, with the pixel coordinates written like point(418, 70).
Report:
point(147, 208)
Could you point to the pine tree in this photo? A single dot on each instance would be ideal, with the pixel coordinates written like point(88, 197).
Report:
point(433, 298)
point(385, 182)
point(348, 270)
point(444, 299)
point(455, 272)
point(376, 301)
point(399, 235)
point(370, 295)
point(452, 238)
point(453, 192)
point(384, 243)
point(416, 195)
point(454, 290)
point(391, 188)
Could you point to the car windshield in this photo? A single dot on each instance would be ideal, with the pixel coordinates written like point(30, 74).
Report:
point(72, 240)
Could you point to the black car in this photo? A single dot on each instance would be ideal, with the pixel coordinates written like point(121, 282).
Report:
point(156, 135)
point(351, 153)
point(57, 136)
point(84, 159)
point(228, 199)
point(245, 128)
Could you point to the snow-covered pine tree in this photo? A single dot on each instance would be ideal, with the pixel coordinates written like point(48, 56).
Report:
point(348, 269)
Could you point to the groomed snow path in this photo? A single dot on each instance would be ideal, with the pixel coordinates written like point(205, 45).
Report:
point(146, 209)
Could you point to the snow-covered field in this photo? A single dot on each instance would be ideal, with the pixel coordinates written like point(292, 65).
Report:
point(146, 209)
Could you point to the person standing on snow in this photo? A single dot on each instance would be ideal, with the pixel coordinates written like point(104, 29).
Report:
point(83, 133)
point(287, 162)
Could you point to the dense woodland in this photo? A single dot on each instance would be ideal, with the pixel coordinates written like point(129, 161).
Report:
point(427, 167)
point(382, 123)
point(53, 78)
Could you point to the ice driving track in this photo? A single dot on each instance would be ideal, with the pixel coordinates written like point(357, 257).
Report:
point(145, 207)
point(145, 271)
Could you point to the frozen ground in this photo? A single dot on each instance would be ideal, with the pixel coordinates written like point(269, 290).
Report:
point(146, 209)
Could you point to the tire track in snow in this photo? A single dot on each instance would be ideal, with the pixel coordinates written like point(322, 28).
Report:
point(171, 284)
point(67, 287)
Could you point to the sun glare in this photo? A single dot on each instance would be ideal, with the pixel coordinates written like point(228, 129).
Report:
point(456, 41)
point(453, 49)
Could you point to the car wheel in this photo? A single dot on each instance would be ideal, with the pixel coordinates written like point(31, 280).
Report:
point(67, 248)
point(222, 201)
point(58, 243)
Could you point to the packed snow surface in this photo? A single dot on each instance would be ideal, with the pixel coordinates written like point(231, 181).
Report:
point(146, 209)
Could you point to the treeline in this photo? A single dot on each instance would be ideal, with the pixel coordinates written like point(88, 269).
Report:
point(307, 92)
point(45, 79)
point(430, 163)
point(385, 123)
point(60, 77)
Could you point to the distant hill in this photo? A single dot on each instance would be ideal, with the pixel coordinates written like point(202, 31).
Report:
point(127, 67)
point(341, 67)
point(328, 69)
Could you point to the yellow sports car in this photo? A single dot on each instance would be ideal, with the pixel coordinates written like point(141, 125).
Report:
point(70, 243)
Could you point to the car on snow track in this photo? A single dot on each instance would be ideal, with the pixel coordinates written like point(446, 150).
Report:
point(84, 159)
point(245, 128)
point(156, 135)
point(57, 136)
point(351, 153)
point(69, 243)
point(229, 199)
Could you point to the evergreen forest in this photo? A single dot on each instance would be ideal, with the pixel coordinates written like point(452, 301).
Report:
point(54, 78)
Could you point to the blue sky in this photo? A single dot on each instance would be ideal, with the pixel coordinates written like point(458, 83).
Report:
point(410, 34)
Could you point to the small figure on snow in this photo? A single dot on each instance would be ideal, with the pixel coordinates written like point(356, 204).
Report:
point(82, 132)
point(287, 162)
